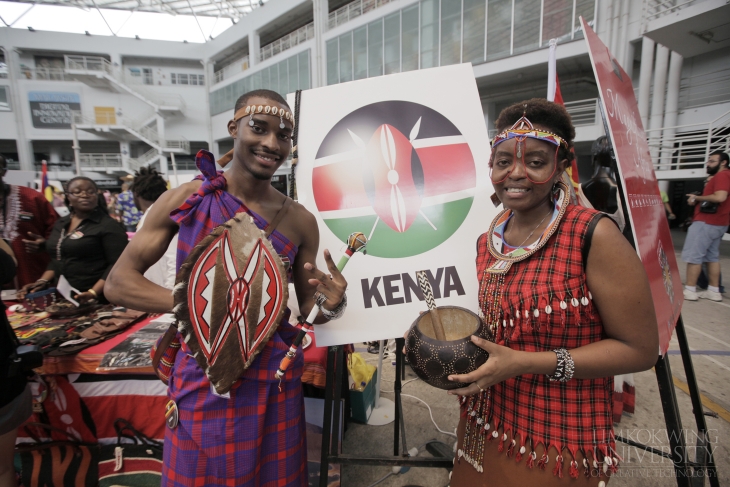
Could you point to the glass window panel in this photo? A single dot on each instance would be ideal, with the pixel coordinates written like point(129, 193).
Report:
point(283, 78)
point(304, 70)
point(182, 79)
point(473, 49)
point(583, 8)
point(265, 79)
point(557, 18)
point(346, 57)
point(375, 48)
point(527, 26)
point(409, 38)
point(256, 81)
point(333, 65)
point(392, 43)
point(499, 26)
point(429, 33)
point(360, 52)
point(293, 66)
point(450, 32)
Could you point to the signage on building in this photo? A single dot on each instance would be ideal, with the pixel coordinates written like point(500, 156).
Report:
point(53, 109)
point(646, 210)
point(395, 159)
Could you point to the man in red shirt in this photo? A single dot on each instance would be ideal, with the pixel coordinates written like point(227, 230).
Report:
point(705, 233)
point(26, 221)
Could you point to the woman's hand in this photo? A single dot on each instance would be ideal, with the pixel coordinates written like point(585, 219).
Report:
point(503, 363)
point(34, 243)
point(332, 285)
point(85, 297)
point(31, 288)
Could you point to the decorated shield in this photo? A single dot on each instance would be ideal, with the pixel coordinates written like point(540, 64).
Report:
point(230, 295)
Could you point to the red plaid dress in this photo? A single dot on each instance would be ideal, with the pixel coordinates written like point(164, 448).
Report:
point(255, 437)
point(572, 415)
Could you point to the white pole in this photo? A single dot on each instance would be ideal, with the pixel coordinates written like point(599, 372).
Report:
point(174, 170)
point(76, 147)
point(380, 371)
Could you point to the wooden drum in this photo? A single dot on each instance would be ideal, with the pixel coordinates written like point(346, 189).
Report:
point(434, 360)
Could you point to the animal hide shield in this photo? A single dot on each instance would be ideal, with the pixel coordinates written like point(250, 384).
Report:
point(230, 295)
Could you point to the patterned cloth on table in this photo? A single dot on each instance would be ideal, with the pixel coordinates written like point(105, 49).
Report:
point(257, 436)
point(574, 415)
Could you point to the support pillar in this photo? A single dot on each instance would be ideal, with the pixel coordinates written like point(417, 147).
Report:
point(671, 112)
point(254, 48)
point(657, 103)
point(647, 65)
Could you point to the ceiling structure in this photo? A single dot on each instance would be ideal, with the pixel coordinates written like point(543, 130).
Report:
point(232, 9)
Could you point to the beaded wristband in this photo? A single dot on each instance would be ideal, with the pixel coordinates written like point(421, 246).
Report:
point(337, 312)
point(565, 368)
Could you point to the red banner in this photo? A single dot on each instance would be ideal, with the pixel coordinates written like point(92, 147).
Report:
point(636, 170)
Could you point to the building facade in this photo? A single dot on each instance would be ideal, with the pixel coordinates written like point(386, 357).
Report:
point(108, 105)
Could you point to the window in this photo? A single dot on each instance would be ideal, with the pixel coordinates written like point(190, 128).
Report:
point(187, 79)
point(333, 57)
point(527, 26)
point(346, 57)
point(375, 48)
point(392, 43)
point(557, 19)
point(409, 38)
point(360, 52)
point(499, 27)
point(4, 98)
point(450, 32)
point(429, 34)
point(474, 25)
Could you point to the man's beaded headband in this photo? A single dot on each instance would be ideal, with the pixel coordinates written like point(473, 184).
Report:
point(523, 128)
point(249, 111)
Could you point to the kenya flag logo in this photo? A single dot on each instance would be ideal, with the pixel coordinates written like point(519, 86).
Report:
point(411, 192)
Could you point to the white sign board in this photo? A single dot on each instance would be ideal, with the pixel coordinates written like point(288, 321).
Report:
point(403, 159)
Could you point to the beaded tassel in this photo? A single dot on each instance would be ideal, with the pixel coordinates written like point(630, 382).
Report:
point(558, 470)
point(531, 460)
point(521, 452)
point(476, 429)
point(511, 449)
point(543, 461)
point(574, 469)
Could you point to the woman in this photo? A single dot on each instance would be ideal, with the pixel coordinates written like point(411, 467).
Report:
point(84, 245)
point(569, 305)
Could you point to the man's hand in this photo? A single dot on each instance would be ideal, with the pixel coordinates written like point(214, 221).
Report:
point(691, 199)
point(332, 285)
point(34, 243)
point(31, 288)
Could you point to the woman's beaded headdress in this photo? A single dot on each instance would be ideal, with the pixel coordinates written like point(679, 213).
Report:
point(522, 129)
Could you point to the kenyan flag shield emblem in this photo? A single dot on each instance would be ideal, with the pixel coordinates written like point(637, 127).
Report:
point(397, 170)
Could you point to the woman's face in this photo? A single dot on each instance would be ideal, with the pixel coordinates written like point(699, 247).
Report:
point(522, 187)
point(82, 195)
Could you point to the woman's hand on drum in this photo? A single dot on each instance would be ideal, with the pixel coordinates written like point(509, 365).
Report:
point(332, 285)
point(503, 363)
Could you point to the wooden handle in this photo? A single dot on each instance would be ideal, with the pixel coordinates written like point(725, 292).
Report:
point(425, 284)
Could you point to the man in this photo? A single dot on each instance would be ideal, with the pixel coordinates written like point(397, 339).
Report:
point(127, 210)
point(147, 187)
point(705, 233)
point(26, 221)
point(256, 435)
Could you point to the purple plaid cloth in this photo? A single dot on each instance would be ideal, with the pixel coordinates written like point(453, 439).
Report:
point(257, 436)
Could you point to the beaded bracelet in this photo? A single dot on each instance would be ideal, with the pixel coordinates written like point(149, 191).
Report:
point(565, 368)
point(337, 312)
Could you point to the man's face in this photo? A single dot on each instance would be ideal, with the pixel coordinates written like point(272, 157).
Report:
point(263, 147)
point(713, 164)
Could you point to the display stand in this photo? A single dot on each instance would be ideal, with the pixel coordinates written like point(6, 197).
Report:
point(384, 411)
point(330, 442)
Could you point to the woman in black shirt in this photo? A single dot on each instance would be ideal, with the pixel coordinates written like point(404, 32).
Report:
point(83, 245)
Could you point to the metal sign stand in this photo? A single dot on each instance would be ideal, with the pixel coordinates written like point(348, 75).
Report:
point(331, 442)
